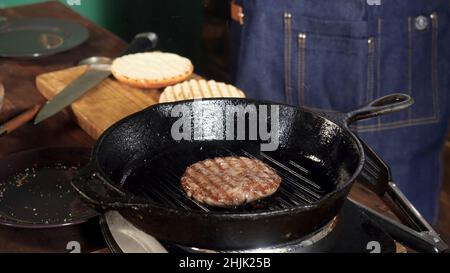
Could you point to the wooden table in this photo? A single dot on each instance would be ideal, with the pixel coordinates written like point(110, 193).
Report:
point(18, 78)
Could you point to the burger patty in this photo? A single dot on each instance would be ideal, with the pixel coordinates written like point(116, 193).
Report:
point(229, 181)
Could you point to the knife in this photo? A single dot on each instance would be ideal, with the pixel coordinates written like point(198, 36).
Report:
point(99, 69)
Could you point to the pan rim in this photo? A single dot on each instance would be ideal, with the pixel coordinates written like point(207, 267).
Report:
point(232, 215)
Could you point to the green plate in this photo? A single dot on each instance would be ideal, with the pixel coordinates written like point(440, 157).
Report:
point(39, 37)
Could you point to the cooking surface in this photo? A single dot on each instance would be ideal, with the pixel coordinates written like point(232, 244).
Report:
point(299, 186)
point(18, 78)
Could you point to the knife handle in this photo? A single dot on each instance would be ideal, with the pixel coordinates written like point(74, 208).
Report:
point(19, 120)
point(142, 42)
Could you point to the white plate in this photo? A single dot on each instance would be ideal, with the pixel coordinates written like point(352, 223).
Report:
point(129, 238)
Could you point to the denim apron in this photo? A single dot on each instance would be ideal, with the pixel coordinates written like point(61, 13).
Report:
point(335, 55)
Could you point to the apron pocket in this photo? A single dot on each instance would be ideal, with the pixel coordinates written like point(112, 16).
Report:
point(331, 63)
point(333, 72)
point(408, 64)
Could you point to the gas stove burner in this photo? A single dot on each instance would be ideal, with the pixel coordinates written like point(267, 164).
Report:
point(292, 247)
point(351, 232)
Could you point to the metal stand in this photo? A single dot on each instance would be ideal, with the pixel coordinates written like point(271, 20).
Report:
point(414, 231)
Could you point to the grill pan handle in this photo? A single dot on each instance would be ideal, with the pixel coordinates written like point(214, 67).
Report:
point(387, 104)
point(98, 192)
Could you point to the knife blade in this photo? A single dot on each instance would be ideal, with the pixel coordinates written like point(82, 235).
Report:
point(92, 77)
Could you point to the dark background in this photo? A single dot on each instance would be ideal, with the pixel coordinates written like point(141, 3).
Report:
point(196, 29)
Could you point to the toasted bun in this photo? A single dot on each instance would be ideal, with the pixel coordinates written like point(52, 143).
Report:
point(196, 89)
point(151, 69)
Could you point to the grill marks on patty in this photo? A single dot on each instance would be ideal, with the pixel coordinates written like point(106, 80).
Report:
point(229, 181)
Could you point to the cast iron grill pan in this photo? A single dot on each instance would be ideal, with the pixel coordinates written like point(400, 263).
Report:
point(136, 168)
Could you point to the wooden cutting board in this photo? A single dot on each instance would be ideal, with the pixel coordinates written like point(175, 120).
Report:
point(102, 106)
